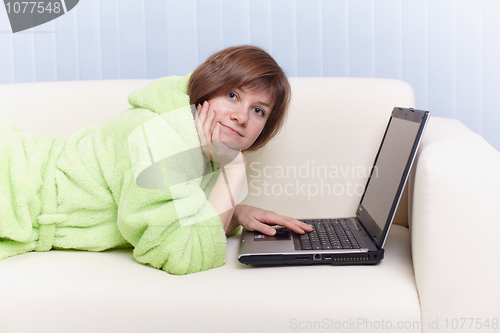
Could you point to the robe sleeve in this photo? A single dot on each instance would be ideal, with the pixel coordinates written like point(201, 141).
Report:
point(163, 210)
point(179, 233)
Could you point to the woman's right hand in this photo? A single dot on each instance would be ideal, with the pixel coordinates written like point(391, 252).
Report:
point(258, 219)
point(215, 150)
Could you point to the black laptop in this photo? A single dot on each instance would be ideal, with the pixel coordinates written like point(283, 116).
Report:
point(350, 240)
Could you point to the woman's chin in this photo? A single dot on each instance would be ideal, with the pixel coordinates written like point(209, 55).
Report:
point(231, 142)
point(232, 146)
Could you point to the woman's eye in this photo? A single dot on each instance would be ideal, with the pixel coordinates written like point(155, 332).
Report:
point(259, 111)
point(231, 95)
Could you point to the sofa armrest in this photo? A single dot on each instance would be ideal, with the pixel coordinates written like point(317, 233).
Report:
point(455, 228)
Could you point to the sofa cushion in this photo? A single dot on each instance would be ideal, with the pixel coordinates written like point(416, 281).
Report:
point(71, 291)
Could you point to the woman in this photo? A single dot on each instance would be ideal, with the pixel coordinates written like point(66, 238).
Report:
point(84, 193)
point(241, 95)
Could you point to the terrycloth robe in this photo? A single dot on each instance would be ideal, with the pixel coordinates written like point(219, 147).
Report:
point(81, 192)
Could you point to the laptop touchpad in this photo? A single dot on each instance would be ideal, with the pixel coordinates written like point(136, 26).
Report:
point(281, 234)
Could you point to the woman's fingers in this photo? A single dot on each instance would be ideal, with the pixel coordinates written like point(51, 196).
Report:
point(272, 218)
point(295, 225)
point(206, 120)
point(201, 134)
point(204, 126)
point(261, 227)
point(216, 133)
point(292, 224)
point(203, 108)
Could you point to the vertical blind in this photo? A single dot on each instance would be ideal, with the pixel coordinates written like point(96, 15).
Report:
point(448, 50)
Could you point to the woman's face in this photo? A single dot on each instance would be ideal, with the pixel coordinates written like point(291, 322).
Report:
point(242, 114)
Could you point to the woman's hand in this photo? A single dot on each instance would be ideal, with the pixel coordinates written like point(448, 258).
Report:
point(215, 150)
point(257, 219)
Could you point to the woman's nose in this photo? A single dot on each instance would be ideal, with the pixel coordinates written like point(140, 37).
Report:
point(240, 113)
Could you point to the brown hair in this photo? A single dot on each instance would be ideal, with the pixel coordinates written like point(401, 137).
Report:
point(243, 67)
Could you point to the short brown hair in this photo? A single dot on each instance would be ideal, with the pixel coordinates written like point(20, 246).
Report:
point(243, 66)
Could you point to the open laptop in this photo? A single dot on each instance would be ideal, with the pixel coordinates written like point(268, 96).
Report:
point(351, 240)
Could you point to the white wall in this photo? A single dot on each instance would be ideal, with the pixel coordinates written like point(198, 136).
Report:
point(448, 50)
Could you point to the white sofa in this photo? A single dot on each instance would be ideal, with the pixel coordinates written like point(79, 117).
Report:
point(440, 274)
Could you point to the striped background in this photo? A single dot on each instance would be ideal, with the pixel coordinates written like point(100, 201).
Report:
point(448, 50)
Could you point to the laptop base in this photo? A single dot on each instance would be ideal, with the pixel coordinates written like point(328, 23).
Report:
point(372, 257)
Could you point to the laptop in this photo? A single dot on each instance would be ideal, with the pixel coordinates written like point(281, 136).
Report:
point(352, 240)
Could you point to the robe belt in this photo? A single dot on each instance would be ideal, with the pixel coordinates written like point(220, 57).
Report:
point(47, 230)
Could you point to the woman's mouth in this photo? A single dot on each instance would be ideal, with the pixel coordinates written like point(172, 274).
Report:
point(231, 130)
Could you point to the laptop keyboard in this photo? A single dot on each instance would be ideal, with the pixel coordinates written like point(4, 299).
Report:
point(328, 234)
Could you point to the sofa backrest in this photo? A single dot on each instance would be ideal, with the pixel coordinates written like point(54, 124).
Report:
point(318, 165)
point(61, 108)
point(315, 167)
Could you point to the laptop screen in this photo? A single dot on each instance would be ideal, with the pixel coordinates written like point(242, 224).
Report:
point(389, 174)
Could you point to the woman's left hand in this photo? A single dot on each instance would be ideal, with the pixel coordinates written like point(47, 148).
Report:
point(257, 219)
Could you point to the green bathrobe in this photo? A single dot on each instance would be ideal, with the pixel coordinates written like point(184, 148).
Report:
point(81, 192)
